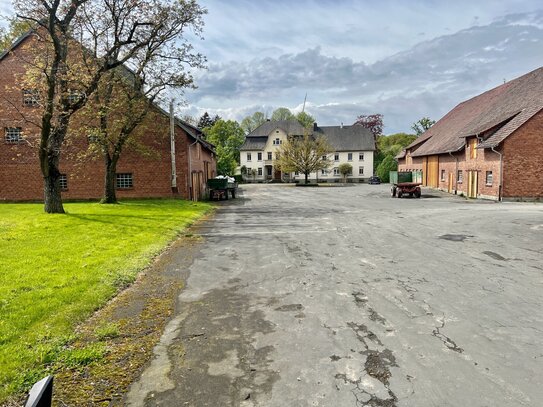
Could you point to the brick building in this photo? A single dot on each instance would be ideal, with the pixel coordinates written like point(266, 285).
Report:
point(490, 146)
point(144, 170)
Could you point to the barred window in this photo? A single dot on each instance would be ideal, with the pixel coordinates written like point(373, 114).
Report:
point(31, 97)
point(489, 178)
point(460, 176)
point(124, 181)
point(13, 135)
point(63, 182)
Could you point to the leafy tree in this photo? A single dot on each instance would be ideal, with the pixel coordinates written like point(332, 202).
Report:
point(383, 170)
point(305, 119)
point(391, 145)
point(422, 125)
point(282, 113)
point(250, 123)
point(345, 169)
point(373, 122)
point(227, 136)
point(16, 28)
point(304, 154)
point(66, 72)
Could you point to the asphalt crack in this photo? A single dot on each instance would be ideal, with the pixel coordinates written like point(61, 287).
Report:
point(448, 342)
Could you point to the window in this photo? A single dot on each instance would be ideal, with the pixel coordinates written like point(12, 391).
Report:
point(249, 157)
point(349, 156)
point(489, 178)
point(269, 155)
point(13, 135)
point(259, 157)
point(360, 170)
point(259, 170)
point(360, 156)
point(296, 173)
point(269, 171)
point(442, 175)
point(336, 171)
point(350, 171)
point(277, 141)
point(92, 138)
point(460, 176)
point(63, 182)
point(31, 97)
point(324, 172)
point(74, 96)
point(336, 157)
point(324, 158)
point(473, 148)
point(124, 181)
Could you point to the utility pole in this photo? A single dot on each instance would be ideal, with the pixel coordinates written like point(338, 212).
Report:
point(172, 146)
point(303, 108)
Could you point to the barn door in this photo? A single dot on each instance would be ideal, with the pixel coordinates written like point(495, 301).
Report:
point(451, 183)
point(472, 184)
point(433, 171)
point(424, 171)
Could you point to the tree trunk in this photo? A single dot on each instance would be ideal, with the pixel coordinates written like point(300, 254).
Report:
point(110, 196)
point(49, 159)
point(306, 177)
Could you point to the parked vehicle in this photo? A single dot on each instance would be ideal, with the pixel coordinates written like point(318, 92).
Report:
point(220, 187)
point(375, 180)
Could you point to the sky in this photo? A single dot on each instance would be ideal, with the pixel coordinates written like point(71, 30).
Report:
point(404, 59)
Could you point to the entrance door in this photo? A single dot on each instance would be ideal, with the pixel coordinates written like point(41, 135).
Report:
point(276, 174)
point(472, 184)
point(451, 183)
point(433, 171)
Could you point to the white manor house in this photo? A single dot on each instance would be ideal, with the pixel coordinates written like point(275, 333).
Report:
point(352, 144)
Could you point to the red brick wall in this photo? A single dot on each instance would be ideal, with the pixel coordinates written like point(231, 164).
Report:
point(523, 161)
point(149, 162)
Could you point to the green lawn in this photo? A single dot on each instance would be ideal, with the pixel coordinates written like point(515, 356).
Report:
point(55, 270)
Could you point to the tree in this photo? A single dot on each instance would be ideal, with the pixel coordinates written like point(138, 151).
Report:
point(79, 43)
point(383, 170)
point(391, 145)
point(422, 125)
point(305, 119)
point(282, 113)
point(345, 169)
point(227, 136)
point(207, 121)
point(16, 28)
point(124, 98)
point(304, 154)
point(373, 122)
point(250, 123)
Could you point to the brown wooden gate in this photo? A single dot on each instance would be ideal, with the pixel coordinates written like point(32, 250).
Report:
point(473, 184)
point(432, 179)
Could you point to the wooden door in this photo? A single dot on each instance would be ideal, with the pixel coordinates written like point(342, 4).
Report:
point(472, 184)
point(451, 183)
point(433, 171)
point(424, 171)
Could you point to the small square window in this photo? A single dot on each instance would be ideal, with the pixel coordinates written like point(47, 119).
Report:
point(13, 135)
point(360, 170)
point(63, 180)
point(489, 178)
point(460, 176)
point(31, 97)
point(336, 157)
point(360, 156)
point(442, 175)
point(349, 156)
point(124, 181)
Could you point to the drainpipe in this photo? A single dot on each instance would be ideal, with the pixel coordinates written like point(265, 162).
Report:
point(172, 148)
point(191, 192)
point(501, 174)
point(455, 174)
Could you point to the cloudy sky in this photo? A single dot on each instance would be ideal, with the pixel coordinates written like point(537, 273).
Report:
point(405, 59)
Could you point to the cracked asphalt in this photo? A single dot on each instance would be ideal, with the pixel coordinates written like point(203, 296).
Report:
point(343, 296)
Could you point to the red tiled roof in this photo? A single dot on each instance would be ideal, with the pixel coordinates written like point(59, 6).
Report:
point(503, 109)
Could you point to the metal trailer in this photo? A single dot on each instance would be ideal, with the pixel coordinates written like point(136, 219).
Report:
point(402, 188)
point(220, 187)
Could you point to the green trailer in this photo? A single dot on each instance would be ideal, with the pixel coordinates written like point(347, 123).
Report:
point(402, 184)
point(219, 188)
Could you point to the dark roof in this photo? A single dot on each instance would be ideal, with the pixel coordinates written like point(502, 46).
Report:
point(291, 127)
point(16, 43)
point(341, 138)
point(348, 138)
point(493, 115)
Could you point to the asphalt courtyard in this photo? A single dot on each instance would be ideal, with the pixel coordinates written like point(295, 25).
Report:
point(344, 296)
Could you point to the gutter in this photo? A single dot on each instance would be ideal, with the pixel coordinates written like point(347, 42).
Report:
point(501, 174)
point(191, 192)
point(172, 148)
point(456, 173)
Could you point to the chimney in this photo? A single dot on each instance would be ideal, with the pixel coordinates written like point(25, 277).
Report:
point(315, 126)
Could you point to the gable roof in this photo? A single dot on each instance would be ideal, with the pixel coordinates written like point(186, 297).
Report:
point(341, 138)
point(493, 115)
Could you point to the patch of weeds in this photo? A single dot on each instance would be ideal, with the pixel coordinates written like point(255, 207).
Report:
point(107, 331)
point(84, 356)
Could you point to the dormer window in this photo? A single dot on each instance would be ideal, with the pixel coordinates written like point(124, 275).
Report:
point(277, 141)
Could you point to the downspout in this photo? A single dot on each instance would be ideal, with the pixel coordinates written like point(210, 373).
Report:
point(172, 149)
point(501, 174)
point(191, 191)
point(455, 174)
